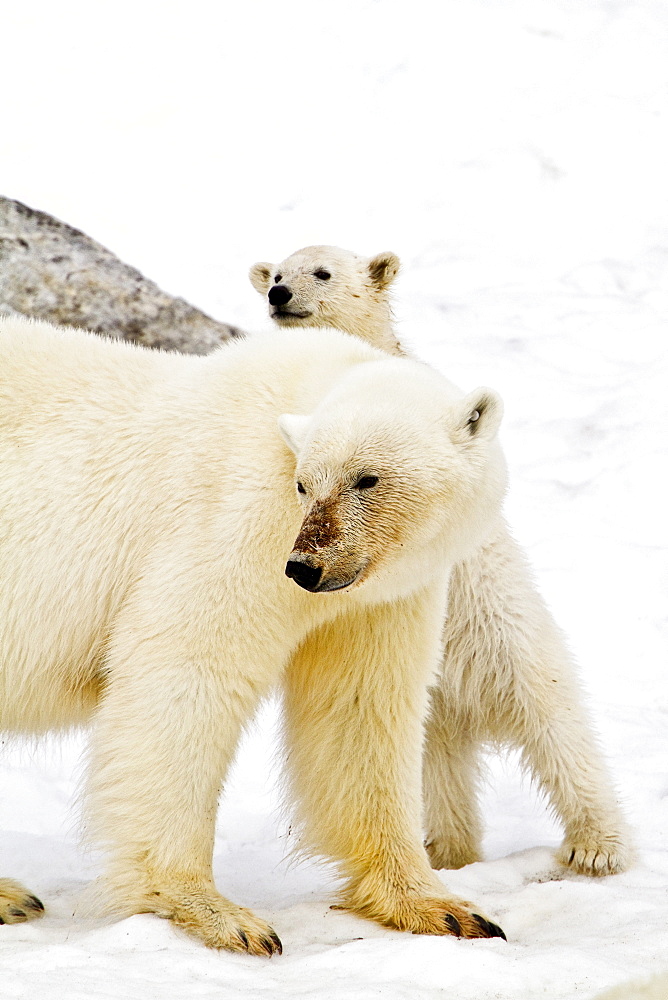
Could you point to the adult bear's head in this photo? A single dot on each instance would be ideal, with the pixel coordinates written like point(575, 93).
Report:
point(399, 476)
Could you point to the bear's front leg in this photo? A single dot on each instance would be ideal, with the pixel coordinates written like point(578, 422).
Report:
point(165, 734)
point(356, 698)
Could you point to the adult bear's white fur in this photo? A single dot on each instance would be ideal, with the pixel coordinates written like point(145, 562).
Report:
point(148, 504)
point(507, 675)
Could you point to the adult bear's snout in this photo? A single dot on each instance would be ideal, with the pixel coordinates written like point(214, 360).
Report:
point(306, 576)
point(279, 295)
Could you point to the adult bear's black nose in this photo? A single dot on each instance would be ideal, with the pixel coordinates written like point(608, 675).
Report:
point(279, 295)
point(306, 576)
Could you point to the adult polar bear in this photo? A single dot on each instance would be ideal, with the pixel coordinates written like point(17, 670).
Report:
point(506, 676)
point(148, 504)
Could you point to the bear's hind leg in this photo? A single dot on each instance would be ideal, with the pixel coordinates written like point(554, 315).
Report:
point(453, 829)
point(17, 904)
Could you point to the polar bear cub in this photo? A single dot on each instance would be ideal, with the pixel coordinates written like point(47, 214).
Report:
point(179, 535)
point(506, 675)
point(326, 286)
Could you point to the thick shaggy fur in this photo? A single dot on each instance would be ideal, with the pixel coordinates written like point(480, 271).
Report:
point(148, 505)
point(506, 674)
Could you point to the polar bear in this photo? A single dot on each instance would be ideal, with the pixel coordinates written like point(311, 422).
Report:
point(327, 286)
point(179, 535)
point(506, 676)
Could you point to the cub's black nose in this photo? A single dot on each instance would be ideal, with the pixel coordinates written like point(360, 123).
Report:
point(279, 295)
point(307, 577)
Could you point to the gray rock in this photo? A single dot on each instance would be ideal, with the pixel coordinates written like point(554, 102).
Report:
point(54, 272)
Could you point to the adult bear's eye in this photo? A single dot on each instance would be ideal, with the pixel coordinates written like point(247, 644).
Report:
point(323, 275)
point(278, 277)
point(366, 482)
point(300, 488)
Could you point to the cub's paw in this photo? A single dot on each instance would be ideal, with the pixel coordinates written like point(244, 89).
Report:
point(221, 924)
point(17, 904)
point(595, 856)
point(443, 854)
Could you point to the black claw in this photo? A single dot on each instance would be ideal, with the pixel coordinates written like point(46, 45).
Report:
point(243, 937)
point(15, 912)
point(1, 920)
point(267, 945)
point(454, 925)
point(34, 903)
point(490, 929)
point(277, 942)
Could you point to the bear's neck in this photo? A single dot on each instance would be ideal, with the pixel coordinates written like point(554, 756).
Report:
point(374, 324)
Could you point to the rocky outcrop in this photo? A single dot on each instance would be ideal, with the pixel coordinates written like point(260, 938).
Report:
point(54, 272)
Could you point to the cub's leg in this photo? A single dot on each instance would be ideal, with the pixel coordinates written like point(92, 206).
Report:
point(507, 665)
point(17, 904)
point(450, 782)
point(559, 749)
point(356, 697)
point(166, 732)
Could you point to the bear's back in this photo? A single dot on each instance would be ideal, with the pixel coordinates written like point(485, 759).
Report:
point(47, 368)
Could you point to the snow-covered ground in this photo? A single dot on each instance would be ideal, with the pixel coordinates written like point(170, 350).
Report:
point(515, 156)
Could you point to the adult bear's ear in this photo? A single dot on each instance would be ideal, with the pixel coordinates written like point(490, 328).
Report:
point(293, 427)
point(383, 269)
point(260, 276)
point(479, 415)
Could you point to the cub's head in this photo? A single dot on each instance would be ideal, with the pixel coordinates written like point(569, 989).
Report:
point(326, 286)
point(398, 476)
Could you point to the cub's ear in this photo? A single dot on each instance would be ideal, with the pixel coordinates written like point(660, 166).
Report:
point(260, 276)
point(293, 427)
point(383, 269)
point(480, 414)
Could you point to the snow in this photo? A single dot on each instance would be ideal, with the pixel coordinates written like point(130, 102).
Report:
point(515, 156)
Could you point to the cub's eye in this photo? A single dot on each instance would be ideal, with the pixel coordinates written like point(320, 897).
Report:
point(366, 482)
point(300, 488)
point(277, 278)
point(323, 275)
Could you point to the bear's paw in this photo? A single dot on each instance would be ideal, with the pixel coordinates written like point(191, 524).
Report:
point(444, 916)
point(428, 915)
point(17, 904)
point(595, 855)
point(445, 853)
point(217, 922)
point(231, 927)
